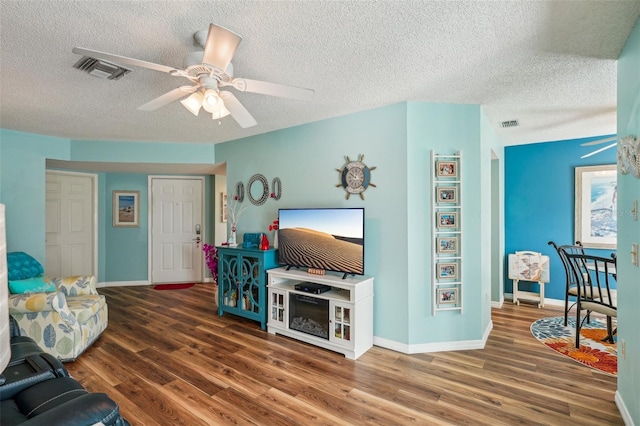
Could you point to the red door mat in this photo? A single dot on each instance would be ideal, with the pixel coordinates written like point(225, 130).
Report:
point(172, 286)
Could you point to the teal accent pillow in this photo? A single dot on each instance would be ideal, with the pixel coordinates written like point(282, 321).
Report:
point(21, 266)
point(31, 285)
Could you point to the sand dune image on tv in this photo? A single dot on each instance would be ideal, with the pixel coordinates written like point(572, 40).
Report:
point(302, 247)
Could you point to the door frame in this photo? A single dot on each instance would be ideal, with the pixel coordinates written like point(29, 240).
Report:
point(94, 216)
point(150, 218)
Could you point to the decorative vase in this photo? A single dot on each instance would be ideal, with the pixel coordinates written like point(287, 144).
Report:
point(231, 241)
point(275, 239)
point(264, 242)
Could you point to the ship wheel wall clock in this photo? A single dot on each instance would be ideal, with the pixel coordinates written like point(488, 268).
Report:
point(355, 177)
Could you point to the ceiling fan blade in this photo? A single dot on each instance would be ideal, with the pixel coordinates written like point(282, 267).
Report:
point(168, 97)
point(117, 59)
point(272, 89)
point(599, 141)
point(220, 46)
point(237, 111)
point(597, 151)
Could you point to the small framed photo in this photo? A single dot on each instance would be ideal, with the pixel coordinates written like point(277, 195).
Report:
point(447, 244)
point(447, 270)
point(446, 169)
point(447, 219)
point(447, 295)
point(447, 194)
point(126, 209)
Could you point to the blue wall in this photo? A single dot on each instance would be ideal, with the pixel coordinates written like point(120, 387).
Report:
point(397, 140)
point(539, 202)
point(23, 187)
point(628, 274)
point(305, 158)
point(123, 252)
point(126, 249)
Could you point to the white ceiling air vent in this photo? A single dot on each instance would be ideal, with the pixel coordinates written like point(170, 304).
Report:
point(102, 69)
point(510, 123)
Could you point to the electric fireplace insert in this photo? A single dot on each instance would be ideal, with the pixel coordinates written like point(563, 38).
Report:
point(309, 315)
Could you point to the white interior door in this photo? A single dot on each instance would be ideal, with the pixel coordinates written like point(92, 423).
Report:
point(70, 224)
point(176, 215)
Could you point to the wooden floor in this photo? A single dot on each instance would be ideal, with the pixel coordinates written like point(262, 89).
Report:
point(167, 358)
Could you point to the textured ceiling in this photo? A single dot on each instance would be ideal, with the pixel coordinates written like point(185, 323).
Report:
point(550, 65)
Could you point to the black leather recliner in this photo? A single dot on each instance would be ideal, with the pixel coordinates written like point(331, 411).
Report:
point(36, 389)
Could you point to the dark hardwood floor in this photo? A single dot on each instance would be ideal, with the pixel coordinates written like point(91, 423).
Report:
point(167, 358)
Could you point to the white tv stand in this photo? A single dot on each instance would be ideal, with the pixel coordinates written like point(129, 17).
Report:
point(350, 309)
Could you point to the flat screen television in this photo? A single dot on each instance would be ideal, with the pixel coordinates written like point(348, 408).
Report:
point(331, 239)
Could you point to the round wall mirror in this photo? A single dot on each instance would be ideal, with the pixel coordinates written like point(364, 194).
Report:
point(258, 190)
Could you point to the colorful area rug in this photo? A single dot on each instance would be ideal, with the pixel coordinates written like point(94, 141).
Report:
point(593, 351)
point(172, 286)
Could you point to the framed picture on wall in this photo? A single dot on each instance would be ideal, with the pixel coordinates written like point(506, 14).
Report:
point(447, 270)
point(447, 219)
point(595, 206)
point(447, 295)
point(223, 207)
point(447, 245)
point(126, 209)
point(447, 194)
point(445, 169)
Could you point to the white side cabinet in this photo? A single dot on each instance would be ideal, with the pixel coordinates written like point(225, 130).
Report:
point(340, 319)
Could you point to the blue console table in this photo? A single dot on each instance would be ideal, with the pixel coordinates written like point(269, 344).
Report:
point(242, 280)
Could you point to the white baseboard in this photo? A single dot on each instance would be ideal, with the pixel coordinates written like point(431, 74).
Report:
point(122, 283)
point(135, 283)
point(498, 304)
point(624, 412)
point(547, 301)
point(434, 347)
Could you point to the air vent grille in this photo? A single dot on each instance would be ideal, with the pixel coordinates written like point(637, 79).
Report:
point(510, 123)
point(101, 69)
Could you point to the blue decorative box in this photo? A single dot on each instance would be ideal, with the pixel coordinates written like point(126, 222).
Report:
point(251, 239)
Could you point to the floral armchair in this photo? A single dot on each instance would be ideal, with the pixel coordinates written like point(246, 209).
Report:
point(63, 315)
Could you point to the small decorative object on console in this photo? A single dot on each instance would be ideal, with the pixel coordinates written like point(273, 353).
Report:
point(251, 239)
point(235, 211)
point(264, 242)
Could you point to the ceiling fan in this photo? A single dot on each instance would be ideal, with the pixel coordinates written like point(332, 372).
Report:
point(209, 71)
point(613, 139)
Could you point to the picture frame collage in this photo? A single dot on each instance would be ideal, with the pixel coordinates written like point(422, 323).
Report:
point(447, 276)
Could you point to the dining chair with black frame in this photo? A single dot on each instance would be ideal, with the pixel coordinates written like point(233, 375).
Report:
point(594, 276)
point(571, 288)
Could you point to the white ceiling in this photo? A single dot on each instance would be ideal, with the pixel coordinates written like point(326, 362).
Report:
point(549, 64)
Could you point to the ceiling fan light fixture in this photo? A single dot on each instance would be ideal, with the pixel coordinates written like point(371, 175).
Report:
point(220, 111)
point(220, 46)
point(211, 100)
point(193, 103)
